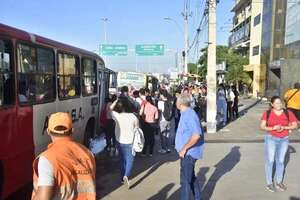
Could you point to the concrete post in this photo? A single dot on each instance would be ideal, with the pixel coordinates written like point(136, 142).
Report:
point(211, 69)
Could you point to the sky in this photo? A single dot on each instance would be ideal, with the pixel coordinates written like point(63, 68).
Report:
point(130, 22)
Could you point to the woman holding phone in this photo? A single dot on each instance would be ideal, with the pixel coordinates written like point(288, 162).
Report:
point(277, 122)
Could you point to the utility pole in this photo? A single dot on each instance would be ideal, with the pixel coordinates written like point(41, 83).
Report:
point(186, 14)
point(211, 69)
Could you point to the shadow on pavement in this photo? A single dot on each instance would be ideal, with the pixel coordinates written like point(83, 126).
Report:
point(108, 175)
point(290, 151)
point(221, 168)
point(163, 193)
point(294, 198)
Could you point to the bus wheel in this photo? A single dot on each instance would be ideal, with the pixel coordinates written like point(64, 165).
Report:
point(89, 132)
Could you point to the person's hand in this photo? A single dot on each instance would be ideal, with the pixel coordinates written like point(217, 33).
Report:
point(182, 153)
point(277, 128)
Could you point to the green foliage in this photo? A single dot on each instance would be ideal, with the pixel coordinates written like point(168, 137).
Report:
point(234, 64)
point(192, 68)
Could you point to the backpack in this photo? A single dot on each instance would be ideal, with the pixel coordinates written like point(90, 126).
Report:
point(286, 112)
point(168, 110)
point(138, 141)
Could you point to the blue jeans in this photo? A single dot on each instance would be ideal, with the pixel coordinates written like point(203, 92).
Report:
point(126, 159)
point(188, 179)
point(275, 149)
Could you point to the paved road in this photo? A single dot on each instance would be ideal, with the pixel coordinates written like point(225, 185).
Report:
point(228, 172)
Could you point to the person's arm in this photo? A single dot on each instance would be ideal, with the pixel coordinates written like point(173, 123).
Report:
point(142, 109)
point(156, 115)
point(113, 105)
point(264, 127)
point(291, 126)
point(45, 182)
point(293, 122)
point(192, 141)
point(44, 193)
point(195, 128)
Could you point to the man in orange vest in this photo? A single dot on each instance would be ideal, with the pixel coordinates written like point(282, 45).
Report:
point(292, 100)
point(66, 170)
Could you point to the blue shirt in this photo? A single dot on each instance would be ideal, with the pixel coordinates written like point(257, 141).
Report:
point(189, 125)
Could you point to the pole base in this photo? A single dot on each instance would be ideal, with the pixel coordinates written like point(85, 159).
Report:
point(211, 127)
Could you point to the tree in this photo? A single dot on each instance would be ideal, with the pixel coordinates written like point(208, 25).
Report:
point(192, 68)
point(234, 64)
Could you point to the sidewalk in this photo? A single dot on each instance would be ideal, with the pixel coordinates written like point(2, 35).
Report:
point(232, 168)
point(246, 127)
point(232, 171)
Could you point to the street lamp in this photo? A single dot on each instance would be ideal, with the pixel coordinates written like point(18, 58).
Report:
point(105, 20)
point(186, 40)
point(176, 23)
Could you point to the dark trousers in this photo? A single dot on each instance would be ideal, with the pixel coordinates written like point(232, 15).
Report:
point(235, 109)
point(188, 180)
point(110, 133)
point(149, 130)
point(229, 110)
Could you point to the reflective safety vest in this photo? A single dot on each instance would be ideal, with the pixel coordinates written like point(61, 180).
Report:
point(74, 170)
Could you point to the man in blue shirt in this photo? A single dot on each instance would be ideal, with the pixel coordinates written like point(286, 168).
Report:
point(189, 144)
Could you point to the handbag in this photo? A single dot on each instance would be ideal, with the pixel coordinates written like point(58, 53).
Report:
point(138, 141)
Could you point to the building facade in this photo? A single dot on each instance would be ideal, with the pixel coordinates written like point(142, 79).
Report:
point(281, 45)
point(246, 37)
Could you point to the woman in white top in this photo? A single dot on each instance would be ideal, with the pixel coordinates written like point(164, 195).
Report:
point(126, 123)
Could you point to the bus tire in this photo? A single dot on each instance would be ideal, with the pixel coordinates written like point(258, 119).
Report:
point(89, 132)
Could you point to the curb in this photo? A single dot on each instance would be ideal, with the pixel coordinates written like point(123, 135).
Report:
point(244, 141)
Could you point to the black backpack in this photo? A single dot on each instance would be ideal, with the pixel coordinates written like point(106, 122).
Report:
point(286, 113)
point(168, 110)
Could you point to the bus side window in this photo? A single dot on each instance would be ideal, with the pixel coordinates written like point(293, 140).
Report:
point(45, 78)
point(68, 76)
point(36, 75)
point(6, 74)
point(89, 86)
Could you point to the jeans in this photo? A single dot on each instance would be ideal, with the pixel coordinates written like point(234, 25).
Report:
point(126, 159)
point(275, 149)
point(188, 179)
point(165, 135)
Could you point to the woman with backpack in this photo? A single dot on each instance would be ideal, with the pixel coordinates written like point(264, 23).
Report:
point(126, 123)
point(277, 122)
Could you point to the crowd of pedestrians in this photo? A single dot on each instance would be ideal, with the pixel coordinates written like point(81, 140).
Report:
point(175, 115)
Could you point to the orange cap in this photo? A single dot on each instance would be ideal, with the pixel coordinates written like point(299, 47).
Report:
point(60, 123)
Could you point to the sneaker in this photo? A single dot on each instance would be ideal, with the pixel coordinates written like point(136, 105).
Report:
point(162, 151)
point(169, 151)
point(271, 188)
point(151, 155)
point(281, 186)
point(126, 181)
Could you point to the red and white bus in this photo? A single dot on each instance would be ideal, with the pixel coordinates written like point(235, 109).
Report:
point(39, 76)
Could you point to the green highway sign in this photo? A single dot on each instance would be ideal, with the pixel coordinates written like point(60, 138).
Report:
point(149, 49)
point(113, 50)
